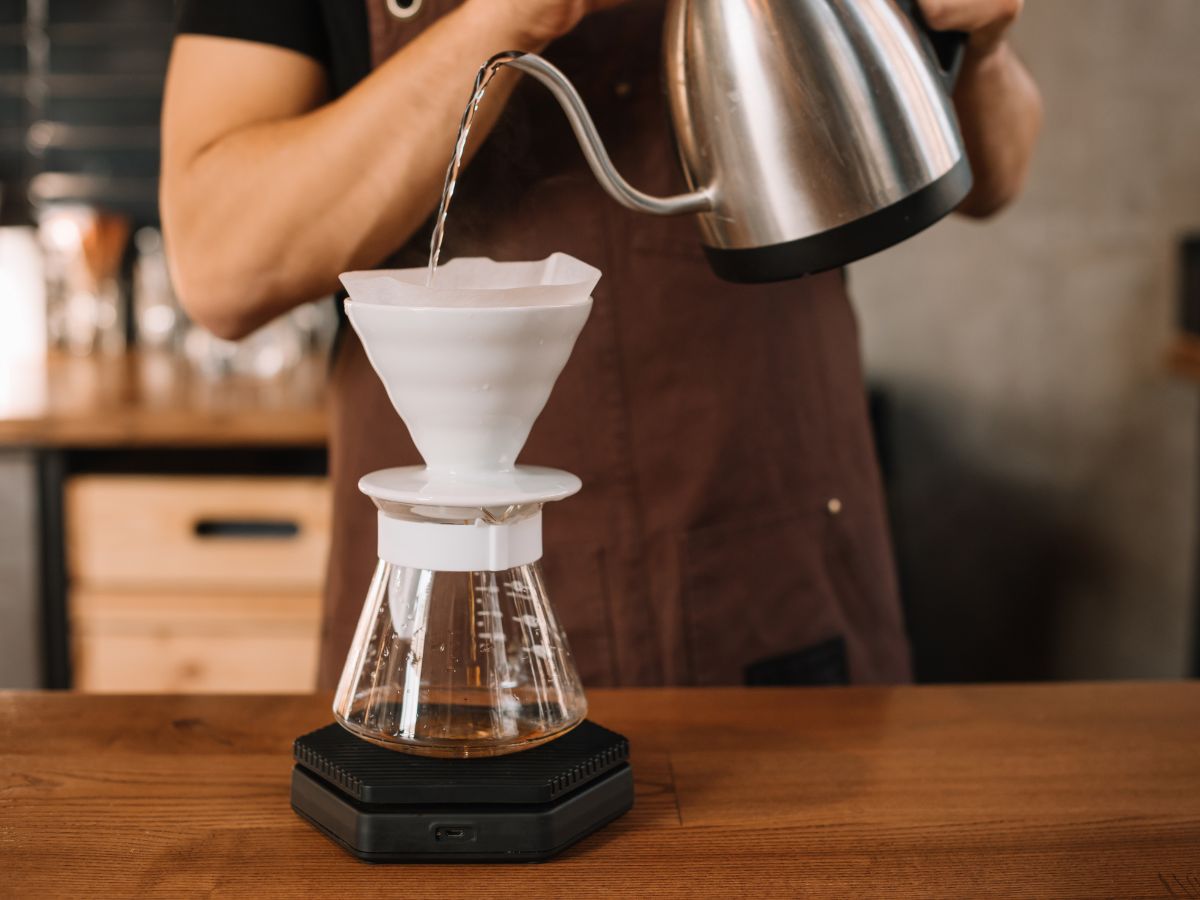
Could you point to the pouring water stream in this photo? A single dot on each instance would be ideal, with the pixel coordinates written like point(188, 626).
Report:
point(482, 78)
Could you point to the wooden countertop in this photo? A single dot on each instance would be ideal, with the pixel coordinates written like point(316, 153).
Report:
point(157, 399)
point(1055, 790)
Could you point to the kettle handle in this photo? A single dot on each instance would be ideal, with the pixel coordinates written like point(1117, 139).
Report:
point(947, 49)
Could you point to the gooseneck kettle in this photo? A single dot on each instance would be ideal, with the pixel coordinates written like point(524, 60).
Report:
point(812, 133)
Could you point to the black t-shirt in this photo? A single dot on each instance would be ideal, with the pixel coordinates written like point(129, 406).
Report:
point(333, 32)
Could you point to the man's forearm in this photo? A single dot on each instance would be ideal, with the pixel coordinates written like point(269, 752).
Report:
point(1000, 111)
point(266, 215)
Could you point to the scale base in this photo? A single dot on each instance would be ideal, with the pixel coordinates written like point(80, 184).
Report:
point(384, 806)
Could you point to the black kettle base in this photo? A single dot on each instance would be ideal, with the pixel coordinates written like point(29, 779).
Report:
point(847, 243)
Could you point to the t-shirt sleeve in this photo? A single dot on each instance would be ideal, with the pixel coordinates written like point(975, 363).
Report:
point(293, 24)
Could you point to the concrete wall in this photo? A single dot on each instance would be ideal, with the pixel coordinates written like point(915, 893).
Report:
point(20, 627)
point(1044, 462)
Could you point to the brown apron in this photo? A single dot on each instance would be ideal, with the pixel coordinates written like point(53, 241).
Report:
point(731, 523)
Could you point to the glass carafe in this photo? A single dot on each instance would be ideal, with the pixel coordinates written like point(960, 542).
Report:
point(459, 663)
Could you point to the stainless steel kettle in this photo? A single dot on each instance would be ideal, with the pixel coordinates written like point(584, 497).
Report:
point(812, 133)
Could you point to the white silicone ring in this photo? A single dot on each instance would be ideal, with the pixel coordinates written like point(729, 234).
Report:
point(460, 548)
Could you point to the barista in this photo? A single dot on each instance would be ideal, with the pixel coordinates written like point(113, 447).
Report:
point(731, 527)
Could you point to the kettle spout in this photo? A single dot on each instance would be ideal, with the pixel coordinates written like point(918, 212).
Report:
point(602, 167)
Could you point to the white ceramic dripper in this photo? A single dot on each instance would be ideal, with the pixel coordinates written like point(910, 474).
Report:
point(458, 652)
point(469, 364)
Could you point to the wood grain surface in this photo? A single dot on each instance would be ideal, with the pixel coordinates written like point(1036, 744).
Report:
point(1083, 790)
point(157, 399)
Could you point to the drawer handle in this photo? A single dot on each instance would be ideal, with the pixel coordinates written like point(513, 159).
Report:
point(252, 529)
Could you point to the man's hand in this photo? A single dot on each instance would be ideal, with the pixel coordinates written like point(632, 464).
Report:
point(986, 21)
point(998, 103)
point(545, 20)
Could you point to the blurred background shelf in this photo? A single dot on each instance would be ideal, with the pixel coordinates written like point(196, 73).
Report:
point(128, 431)
point(158, 399)
point(178, 524)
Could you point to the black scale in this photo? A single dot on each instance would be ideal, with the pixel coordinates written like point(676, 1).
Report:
point(385, 806)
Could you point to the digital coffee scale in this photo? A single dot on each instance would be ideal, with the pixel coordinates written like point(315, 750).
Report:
point(384, 806)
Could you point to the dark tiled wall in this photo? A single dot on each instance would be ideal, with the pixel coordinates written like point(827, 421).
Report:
point(80, 92)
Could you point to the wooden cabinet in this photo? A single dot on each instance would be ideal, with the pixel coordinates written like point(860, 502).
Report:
point(195, 584)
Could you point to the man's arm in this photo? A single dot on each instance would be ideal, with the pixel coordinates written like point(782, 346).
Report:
point(998, 103)
point(268, 192)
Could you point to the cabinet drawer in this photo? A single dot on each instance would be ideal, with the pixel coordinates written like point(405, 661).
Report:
point(195, 664)
point(197, 533)
point(153, 643)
